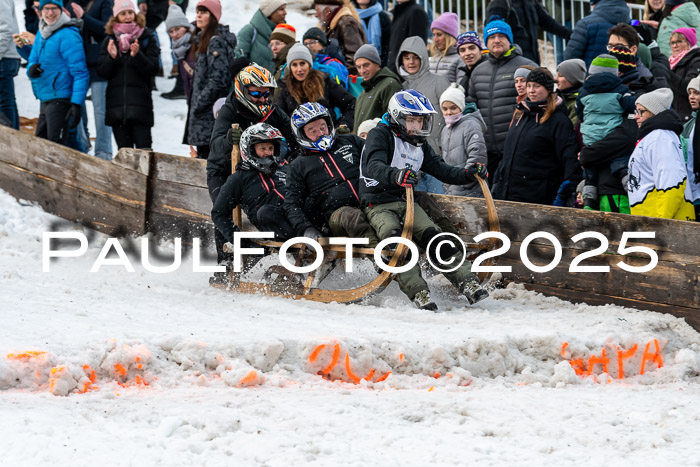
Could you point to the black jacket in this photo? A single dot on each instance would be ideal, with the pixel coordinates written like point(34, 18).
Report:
point(687, 69)
point(251, 190)
point(620, 142)
point(130, 79)
point(219, 161)
point(334, 95)
point(466, 73)
point(537, 157)
point(321, 182)
point(93, 31)
point(526, 18)
point(410, 19)
point(378, 184)
point(641, 80)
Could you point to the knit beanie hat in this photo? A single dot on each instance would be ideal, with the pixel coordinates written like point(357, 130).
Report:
point(299, 52)
point(521, 72)
point(603, 63)
point(694, 84)
point(368, 51)
point(689, 34)
point(469, 37)
point(367, 125)
point(626, 60)
point(119, 6)
point(58, 3)
point(454, 94)
point(448, 23)
point(284, 32)
point(214, 7)
point(543, 77)
point(267, 7)
point(316, 33)
point(656, 101)
point(176, 18)
point(574, 70)
point(498, 27)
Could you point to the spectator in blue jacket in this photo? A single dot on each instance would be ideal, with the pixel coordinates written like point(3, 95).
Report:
point(58, 72)
point(590, 36)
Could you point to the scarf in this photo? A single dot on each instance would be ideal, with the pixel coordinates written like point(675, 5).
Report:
point(47, 30)
point(126, 33)
point(453, 119)
point(675, 59)
point(182, 46)
point(374, 30)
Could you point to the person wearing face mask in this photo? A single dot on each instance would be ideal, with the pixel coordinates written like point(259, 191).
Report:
point(58, 71)
point(470, 51)
point(658, 177)
point(540, 148)
point(301, 83)
point(462, 139)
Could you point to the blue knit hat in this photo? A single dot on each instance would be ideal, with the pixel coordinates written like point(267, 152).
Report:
point(498, 27)
point(469, 37)
point(58, 3)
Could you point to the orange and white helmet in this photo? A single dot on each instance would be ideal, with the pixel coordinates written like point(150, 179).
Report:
point(255, 75)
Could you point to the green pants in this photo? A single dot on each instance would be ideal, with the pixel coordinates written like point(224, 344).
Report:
point(615, 203)
point(387, 219)
point(351, 222)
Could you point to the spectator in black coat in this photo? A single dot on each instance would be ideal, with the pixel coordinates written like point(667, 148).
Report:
point(377, 24)
point(526, 18)
point(129, 61)
point(410, 19)
point(303, 84)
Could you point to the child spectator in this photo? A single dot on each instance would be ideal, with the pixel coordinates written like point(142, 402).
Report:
point(366, 126)
point(602, 106)
point(462, 139)
point(129, 61)
point(658, 177)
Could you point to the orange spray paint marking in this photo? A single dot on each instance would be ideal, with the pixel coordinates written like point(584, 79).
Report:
point(563, 352)
point(385, 376)
point(92, 376)
point(26, 355)
point(436, 375)
point(621, 356)
point(431, 388)
point(139, 366)
point(55, 374)
point(401, 357)
point(334, 360)
point(316, 352)
point(250, 378)
point(119, 368)
point(578, 366)
point(595, 360)
point(355, 379)
point(652, 357)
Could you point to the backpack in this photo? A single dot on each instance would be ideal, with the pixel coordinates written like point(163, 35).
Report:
point(355, 85)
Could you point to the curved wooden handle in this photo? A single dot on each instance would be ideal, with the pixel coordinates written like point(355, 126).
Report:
point(235, 159)
point(494, 225)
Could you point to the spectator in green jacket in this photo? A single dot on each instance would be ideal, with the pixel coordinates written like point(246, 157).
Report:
point(379, 85)
point(254, 37)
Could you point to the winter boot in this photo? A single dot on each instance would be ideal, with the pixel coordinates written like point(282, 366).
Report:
point(178, 91)
point(590, 197)
point(474, 292)
point(423, 301)
point(174, 72)
point(222, 278)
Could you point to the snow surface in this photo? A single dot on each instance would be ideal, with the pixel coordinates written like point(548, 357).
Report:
point(189, 375)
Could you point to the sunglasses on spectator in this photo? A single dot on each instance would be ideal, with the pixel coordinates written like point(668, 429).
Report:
point(259, 94)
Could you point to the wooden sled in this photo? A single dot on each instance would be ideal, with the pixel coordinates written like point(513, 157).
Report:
point(290, 287)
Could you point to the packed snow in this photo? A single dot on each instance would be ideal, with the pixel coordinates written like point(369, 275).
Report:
point(120, 368)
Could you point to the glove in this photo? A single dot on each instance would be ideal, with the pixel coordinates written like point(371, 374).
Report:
point(312, 233)
point(73, 116)
point(35, 70)
point(234, 136)
point(645, 32)
point(343, 130)
point(477, 168)
point(406, 178)
point(566, 189)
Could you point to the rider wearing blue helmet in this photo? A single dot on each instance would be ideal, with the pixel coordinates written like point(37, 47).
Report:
point(395, 151)
point(322, 192)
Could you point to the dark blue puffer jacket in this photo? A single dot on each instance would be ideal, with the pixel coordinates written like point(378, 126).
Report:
point(590, 36)
point(65, 73)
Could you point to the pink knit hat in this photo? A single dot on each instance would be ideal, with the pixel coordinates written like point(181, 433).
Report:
point(123, 5)
point(689, 34)
point(448, 23)
point(214, 7)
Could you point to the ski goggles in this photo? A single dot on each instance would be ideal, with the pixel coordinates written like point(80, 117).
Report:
point(259, 94)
